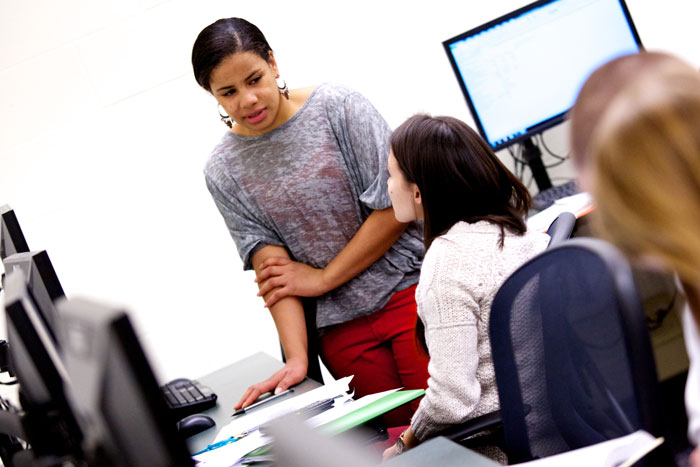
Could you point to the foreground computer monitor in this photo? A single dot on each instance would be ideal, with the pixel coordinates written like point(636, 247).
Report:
point(116, 396)
point(521, 72)
point(42, 282)
point(49, 423)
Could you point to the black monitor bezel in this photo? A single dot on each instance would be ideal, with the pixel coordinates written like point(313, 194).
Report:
point(51, 424)
point(150, 389)
point(40, 262)
point(117, 356)
point(10, 228)
point(19, 316)
point(542, 126)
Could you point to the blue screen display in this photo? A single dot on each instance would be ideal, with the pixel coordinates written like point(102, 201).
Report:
point(521, 73)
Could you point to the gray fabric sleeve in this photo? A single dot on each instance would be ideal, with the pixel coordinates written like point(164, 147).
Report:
point(247, 232)
point(364, 137)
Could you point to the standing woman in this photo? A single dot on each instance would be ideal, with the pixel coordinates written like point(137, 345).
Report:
point(635, 132)
point(300, 182)
point(473, 209)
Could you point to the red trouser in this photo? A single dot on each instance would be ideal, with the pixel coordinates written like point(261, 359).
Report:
point(380, 350)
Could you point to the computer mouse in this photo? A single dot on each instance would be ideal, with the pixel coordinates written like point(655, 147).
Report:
point(193, 424)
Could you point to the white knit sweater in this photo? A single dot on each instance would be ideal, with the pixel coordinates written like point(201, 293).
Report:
point(461, 273)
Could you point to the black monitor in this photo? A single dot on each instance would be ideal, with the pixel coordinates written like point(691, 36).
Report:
point(49, 423)
point(42, 282)
point(11, 237)
point(521, 73)
point(118, 401)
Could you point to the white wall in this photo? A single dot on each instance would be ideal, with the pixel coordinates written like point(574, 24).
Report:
point(104, 133)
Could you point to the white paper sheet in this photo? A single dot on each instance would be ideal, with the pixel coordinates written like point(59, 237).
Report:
point(576, 204)
point(619, 452)
point(343, 407)
point(250, 421)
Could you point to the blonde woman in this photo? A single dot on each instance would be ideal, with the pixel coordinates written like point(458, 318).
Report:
point(636, 142)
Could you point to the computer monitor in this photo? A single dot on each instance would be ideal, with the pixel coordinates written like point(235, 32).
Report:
point(117, 398)
point(42, 282)
point(49, 423)
point(521, 73)
point(11, 237)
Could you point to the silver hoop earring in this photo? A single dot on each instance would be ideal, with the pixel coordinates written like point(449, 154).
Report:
point(224, 118)
point(284, 90)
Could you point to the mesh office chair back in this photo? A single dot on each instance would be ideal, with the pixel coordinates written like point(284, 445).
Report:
point(572, 355)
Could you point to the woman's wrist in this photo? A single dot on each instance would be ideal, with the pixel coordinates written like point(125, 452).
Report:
point(410, 439)
point(328, 282)
point(300, 360)
point(400, 443)
point(406, 441)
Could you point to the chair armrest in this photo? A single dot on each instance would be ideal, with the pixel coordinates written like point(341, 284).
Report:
point(489, 421)
point(492, 423)
point(561, 228)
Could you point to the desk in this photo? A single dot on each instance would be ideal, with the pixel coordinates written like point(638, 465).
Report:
point(440, 451)
point(229, 383)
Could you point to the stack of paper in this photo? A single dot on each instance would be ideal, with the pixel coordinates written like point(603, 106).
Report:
point(247, 427)
point(251, 421)
point(344, 415)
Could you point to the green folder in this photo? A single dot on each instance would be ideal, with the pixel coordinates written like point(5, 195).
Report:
point(370, 411)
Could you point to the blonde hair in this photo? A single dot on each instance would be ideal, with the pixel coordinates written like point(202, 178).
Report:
point(645, 154)
point(598, 91)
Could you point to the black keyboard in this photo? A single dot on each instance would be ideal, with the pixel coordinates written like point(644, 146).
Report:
point(546, 198)
point(185, 397)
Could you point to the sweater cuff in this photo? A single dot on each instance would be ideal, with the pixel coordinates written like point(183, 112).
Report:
point(421, 425)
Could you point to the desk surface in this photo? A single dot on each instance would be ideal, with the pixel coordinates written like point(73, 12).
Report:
point(229, 384)
point(441, 452)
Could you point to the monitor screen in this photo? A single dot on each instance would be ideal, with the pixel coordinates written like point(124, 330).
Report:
point(120, 405)
point(11, 237)
point(49, 421)
point(521, 73)
point(42, 282)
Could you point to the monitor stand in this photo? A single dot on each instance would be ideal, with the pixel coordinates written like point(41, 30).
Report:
point(533, 157)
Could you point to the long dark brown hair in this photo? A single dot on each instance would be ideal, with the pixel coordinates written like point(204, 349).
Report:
point(459, 178)
point(458, 175)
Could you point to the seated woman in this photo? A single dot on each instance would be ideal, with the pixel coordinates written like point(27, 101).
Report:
point(473, 208)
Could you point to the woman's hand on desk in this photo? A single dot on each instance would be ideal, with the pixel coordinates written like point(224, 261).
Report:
point(290, 278)
point(292, 373)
